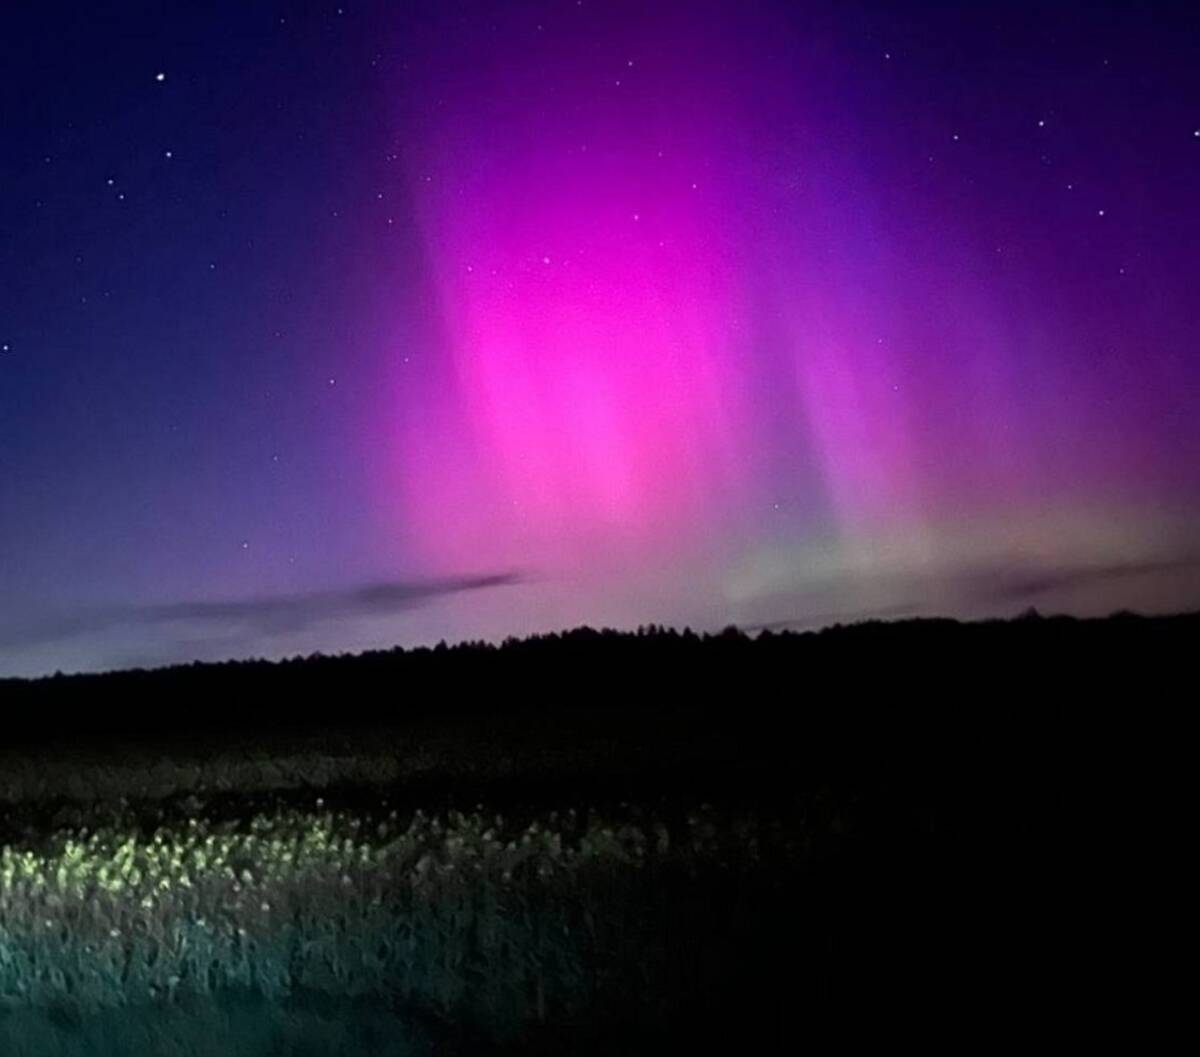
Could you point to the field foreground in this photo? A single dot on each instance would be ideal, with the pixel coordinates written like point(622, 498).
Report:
point(622, 879)
point(502, 926)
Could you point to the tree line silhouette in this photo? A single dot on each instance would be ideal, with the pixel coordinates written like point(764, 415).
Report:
point(876, 669)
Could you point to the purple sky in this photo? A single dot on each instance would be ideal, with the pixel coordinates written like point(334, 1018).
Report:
point(392, 322)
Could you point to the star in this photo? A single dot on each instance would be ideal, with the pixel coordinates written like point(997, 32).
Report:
point(160, 77)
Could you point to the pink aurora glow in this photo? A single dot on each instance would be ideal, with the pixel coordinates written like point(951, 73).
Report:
point(674, 309)
point(589, 293)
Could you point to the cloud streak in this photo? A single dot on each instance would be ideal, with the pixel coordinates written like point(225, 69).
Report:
point(1003, 585)
point(981, 589)
point(254, 617)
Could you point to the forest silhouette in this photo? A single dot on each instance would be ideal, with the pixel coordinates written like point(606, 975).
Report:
point(882, 677)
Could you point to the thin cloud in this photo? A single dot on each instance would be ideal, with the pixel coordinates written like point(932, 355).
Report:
point(982, 588)
point(824, 619)
point(255, 617)
point(1016, 584)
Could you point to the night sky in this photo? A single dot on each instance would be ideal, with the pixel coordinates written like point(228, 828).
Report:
point(337, 327)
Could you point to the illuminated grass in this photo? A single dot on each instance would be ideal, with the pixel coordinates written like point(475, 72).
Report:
point(473, 915)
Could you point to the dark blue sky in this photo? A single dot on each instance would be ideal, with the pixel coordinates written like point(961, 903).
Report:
point(174, 330)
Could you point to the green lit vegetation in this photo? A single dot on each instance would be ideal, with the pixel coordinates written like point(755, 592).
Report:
point(474, 916)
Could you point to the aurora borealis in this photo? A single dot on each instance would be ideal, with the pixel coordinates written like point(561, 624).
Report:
point(699, 313)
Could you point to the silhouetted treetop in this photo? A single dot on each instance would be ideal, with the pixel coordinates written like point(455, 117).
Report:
point(886, 665)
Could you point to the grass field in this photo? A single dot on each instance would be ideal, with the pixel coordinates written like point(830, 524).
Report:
point(752, 869)
point(496, 923)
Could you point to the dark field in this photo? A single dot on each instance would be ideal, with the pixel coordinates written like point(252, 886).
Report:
point(587, 844)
